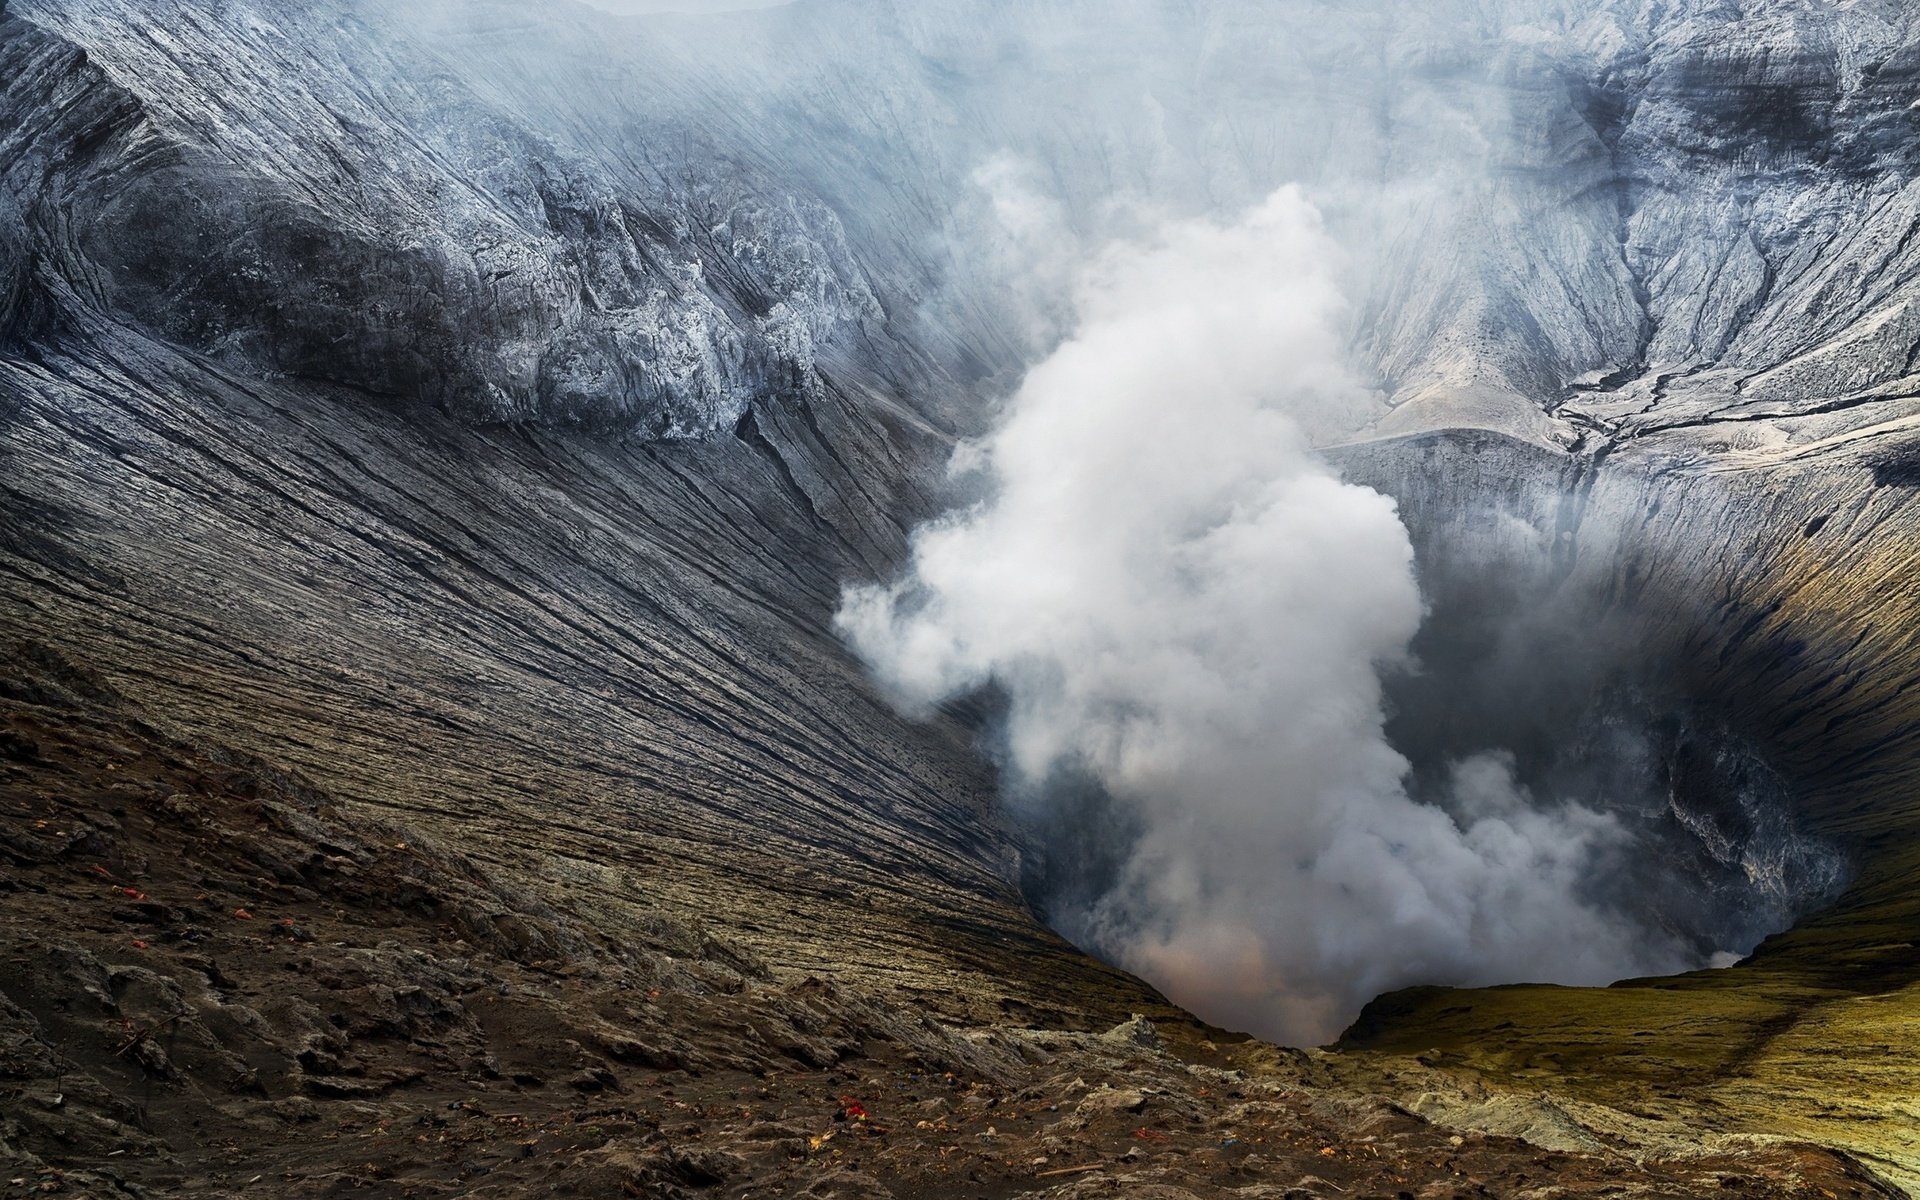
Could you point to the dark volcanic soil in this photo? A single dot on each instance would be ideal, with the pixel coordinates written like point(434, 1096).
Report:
point(217, 982)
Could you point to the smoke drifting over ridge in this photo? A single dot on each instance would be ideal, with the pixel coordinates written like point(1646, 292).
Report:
point(1187, 608)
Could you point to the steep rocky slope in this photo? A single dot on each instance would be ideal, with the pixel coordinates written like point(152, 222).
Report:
point(218, 976)
point(478, 411)
point(1796, 625)
point(644, 224)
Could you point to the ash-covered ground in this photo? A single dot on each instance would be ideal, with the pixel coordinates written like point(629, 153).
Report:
point(220, 982)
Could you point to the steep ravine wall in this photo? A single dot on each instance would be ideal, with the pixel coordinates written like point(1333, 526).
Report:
point(293, 450)
point(606, 668)
point(1771, 580)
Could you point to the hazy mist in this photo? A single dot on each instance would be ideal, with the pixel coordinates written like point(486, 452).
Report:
point(688, 6)
point(1185, 604)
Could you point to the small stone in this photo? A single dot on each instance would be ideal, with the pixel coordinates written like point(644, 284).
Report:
point(1136, 1031)
point(1113, 1100)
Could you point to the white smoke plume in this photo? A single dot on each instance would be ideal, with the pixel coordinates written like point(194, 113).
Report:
point(1181, 601)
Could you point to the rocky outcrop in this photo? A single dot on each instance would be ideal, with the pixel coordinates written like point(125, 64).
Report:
point(638, 226)
point(365, 216)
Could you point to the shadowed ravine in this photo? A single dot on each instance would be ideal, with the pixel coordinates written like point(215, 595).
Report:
point(1795, 626)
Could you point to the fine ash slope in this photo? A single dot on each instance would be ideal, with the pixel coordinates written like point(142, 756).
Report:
point(490, 443)
point(602, 656)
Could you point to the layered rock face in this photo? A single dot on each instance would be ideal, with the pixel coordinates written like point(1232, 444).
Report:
point(641, 225)
point(225, 480)
point(367, 218)
point(479, 408)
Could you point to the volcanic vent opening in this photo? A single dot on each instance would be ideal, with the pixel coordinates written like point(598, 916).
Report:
point(1586, 793)
point(1274, 761)
point(1711, 855)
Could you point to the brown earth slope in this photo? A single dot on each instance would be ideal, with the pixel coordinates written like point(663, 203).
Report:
point(218, 981)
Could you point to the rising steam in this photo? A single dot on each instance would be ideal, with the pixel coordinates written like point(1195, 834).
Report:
point(1187, 608)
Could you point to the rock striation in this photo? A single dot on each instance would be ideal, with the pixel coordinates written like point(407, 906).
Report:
point(218, 974)
point(477, 409)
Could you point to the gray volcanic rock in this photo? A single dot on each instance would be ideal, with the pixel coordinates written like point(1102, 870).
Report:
point(361, 215)
point(1577, 225)
point(219, 975)
point(642, 225)
point(478, 406)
